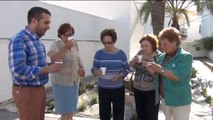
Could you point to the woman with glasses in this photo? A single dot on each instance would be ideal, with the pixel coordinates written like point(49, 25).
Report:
point(147, 105)
point(66, 82)
point(110, 84)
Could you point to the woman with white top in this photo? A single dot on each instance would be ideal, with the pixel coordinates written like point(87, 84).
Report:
point(66, 82)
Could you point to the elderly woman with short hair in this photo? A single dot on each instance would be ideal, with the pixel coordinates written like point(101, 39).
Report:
point(147, 105)
point(111, 84)
point(173, 70)
point(66, 82)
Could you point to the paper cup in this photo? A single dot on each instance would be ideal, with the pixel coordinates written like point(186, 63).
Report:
point(103, 70)
point(139, 58)
point(71, 38)
point(58, 62)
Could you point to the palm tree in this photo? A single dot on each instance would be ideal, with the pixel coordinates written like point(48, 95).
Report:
point(157, 15)
point(176, 10)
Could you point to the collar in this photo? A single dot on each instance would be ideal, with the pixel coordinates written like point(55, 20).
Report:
point(33, 34)
point(172, 54)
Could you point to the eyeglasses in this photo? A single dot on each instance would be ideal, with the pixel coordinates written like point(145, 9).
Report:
point(109, 43)
point(68, 34)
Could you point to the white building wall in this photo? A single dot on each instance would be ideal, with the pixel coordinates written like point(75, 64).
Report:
point(5, 77)
point(87, 27)
point(193, 31)
point(137, 29)
point(117, 11)
point(122, 25)
point(207, 24)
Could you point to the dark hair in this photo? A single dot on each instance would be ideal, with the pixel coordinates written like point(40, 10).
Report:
point(152, 39)
point(171, 33)
point(64, 28)
point(36, 12)
point(109, 32)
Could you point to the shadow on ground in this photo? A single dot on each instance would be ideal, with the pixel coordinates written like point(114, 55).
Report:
point(6, 115)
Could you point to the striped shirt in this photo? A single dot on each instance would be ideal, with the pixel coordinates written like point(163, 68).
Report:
point(115, 63)
point(27, 56)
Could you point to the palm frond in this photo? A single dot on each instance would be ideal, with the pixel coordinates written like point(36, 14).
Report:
point(200, 5)
point(145, 11)
point(179, 14)
point(170, 20)
point(169, 11)
point(186, 15)
point(209, 6)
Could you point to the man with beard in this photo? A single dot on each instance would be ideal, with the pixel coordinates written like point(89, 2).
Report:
point(27, 63)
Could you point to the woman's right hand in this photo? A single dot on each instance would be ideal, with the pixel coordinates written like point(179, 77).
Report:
point(144, 63)
point(54, 68)
point(98, 73)
point(69, 43)
point(133, 62)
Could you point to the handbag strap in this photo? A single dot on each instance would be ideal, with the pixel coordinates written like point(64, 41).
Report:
point(132, 76)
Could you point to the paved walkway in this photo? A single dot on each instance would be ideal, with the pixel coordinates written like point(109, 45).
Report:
point(199, 110)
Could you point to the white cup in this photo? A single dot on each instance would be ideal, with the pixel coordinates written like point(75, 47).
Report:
point(58, 61)
point(71, 38)
point(103, 70)
point(140, 58)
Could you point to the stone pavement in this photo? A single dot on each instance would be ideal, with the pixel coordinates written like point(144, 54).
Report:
point(199, 109)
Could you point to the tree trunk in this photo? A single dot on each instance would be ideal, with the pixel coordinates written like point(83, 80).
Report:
point(175, 24)
point(157, 14)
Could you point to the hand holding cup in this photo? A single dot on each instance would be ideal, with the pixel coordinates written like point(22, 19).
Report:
point(59, 61)
point(56, 67)
point(139, 57)
point(103, 70)
point(70, 43)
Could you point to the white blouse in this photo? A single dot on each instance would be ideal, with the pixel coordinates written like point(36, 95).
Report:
point(69, 75)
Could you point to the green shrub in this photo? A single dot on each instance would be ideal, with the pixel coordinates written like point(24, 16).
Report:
point(83, 91)
point(51, 105)
point(194, 72)
point(197, 44)
point(208, 99)
point(83, 106)
point(94, 100)
point(208, 43)
point(90, 86)
point(204, 92)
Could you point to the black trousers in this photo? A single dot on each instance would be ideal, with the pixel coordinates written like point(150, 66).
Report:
point(145, 105)
point(114, 96)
